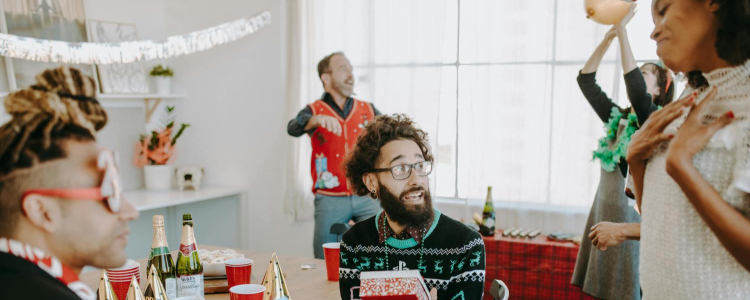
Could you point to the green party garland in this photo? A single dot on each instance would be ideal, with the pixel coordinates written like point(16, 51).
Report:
point(611, 157)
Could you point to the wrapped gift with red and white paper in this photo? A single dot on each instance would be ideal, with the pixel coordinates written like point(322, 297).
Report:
point(393, 285)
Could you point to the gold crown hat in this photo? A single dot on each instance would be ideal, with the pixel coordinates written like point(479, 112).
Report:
point(134, 291)
point(154, 289)
point(274, 281)
point(105, 288)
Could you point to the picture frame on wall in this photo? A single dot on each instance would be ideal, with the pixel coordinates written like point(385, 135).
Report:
point(118, 78)
point(62, 20)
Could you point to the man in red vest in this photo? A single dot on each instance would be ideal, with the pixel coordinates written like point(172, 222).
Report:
point(333, 123)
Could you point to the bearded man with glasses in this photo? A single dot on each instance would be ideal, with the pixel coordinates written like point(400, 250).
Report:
point(391, 162)
point(60, 195)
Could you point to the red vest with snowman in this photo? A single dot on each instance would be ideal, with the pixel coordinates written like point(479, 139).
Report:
point(330, 150)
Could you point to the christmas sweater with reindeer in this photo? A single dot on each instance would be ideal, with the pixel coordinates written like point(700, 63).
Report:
point(452, 259)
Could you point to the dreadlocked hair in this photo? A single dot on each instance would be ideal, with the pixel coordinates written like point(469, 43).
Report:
point(61, 105)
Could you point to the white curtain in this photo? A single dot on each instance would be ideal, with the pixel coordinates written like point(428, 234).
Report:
point(298, 198)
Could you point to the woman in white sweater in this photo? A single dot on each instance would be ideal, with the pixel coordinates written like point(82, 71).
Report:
point(690, 161)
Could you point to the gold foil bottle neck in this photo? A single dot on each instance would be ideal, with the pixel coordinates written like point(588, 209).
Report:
point(188, 235)
point(160, 238)
point(158, 220)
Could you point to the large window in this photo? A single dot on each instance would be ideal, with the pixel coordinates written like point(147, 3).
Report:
point(492, 81)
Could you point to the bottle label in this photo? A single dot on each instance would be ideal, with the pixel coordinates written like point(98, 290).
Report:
point(190, 285)
point(188, 249)
point(170, 284)
point(489, 222)
point(159, 251)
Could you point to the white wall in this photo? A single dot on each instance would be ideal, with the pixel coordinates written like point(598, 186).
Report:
point(126, 124)
point(147, 15)
point(235, 104)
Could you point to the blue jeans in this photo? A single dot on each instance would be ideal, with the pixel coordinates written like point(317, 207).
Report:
point(330, 210)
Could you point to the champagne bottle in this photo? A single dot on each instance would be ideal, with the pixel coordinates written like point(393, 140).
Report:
point(189, 267)
point(162, 259)
point(488, 216)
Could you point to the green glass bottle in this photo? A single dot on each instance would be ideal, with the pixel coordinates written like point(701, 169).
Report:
point(162, 259)
point(189, 267)
point(488, 216)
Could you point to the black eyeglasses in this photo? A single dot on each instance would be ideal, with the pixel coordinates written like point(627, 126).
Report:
point(402, 172)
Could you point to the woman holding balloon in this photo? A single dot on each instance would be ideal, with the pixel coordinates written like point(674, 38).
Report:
point(613, 220)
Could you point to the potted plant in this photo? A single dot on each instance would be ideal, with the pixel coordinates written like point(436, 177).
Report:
point(163, 79)
point(154, 152)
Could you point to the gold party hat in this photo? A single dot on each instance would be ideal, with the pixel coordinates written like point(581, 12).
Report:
point(274, 281)
point(154, 289)
point(105, 288)
point(134, 291)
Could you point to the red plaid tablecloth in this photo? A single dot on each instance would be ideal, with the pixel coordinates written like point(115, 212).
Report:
point(532, 268)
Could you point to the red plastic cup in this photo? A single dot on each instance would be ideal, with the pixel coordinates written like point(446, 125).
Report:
point(124, 275)
point(121, 286)
point(128, 267)
point(125, 279)
point(239, 271)
point(332, 253)
point(120, 277)
point(247, 292)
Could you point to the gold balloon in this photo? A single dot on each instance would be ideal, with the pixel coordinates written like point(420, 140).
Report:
point(134, 291)
point(105, 288)
point(154, 289)
point(607, 12)
point(274, 281)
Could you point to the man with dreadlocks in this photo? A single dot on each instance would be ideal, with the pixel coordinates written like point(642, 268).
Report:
point(60, 204)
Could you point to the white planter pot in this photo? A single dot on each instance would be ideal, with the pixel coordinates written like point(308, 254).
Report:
point(163, 85)
point(158, 177)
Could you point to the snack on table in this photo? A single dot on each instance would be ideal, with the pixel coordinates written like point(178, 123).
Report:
point(213, 261)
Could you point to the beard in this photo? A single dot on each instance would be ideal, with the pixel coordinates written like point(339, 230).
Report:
point(343, 88)
point(406, 214)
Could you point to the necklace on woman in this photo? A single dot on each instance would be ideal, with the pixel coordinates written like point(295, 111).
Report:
point(611, 157)
point(385, 237)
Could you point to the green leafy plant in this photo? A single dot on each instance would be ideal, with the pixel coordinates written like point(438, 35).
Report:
point(159, 70)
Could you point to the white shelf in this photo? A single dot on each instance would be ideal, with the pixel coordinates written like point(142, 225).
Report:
point(146, 200)
point(139, 96)
point(132, 100)
point(125, 100)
